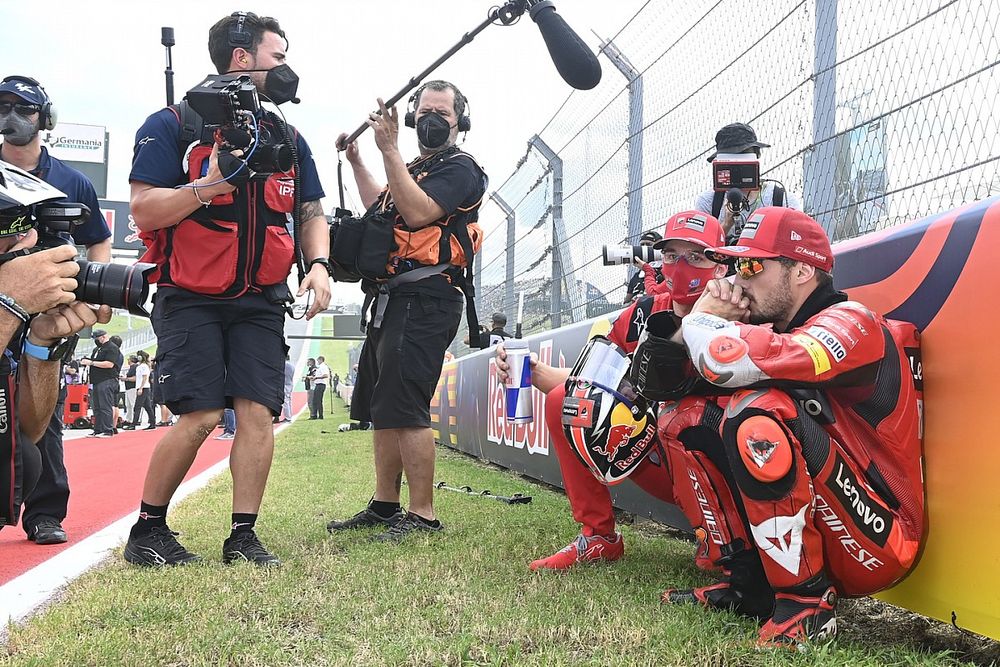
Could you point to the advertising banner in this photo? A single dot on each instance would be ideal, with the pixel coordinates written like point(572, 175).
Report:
point(124, 233)
point(76, 143)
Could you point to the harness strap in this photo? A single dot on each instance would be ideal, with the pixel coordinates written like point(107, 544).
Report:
point(385, 288)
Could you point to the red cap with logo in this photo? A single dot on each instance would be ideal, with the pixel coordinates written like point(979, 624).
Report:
point(774, 231)
point(695, 227)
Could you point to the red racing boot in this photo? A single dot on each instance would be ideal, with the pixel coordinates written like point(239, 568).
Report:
point(583, 550)
point(799, 621)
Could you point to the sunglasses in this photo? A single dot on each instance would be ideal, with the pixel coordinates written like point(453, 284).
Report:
point(748, 267)
point(694, 258)
point(21, 108)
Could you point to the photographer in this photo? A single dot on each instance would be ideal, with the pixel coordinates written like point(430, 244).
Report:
point(38, 319)
point(639, 283)
point(105, 367)
point(26, 110)
point(403, 353)
point(223, 254)
point(738, 142)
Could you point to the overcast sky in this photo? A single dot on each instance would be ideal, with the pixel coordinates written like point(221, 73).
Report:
point(102, 64)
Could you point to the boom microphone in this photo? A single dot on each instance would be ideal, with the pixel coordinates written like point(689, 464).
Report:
point(576, 63)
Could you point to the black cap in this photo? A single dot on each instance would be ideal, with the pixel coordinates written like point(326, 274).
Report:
point(735, 138)
point(651, 235)
point(98, 333)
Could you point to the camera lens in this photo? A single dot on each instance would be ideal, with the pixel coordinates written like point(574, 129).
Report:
point(116, 285)
point(272, 159)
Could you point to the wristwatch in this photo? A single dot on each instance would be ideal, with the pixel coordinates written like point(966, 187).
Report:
point(61, 350)
point(324, 262)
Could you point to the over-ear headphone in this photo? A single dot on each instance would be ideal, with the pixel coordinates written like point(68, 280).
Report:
point(238, 37)
point(410, 119)
point(47, 116)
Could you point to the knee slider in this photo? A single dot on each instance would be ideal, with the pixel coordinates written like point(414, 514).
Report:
point(764, 448)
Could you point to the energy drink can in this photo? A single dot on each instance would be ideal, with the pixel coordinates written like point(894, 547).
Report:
point(518, 383)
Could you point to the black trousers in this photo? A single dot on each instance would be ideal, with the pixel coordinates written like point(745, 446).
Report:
point(143, 402)
point(50, 496)
point(102, 402)
point(316, 407)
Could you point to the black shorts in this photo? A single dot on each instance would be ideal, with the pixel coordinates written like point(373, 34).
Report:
point(210, 351)
point(401, 362)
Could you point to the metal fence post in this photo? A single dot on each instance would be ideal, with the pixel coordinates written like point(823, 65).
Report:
point(508, 288)
point(820, 166)
point(562, 260)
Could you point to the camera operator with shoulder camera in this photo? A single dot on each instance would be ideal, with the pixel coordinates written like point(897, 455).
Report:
point(39, 319)
point(26, 110)
point(417, 312)
point(738, 189)
point(214, 206)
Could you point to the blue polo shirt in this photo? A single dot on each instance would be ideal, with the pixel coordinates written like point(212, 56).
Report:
point(157, 158)
point(78, 189)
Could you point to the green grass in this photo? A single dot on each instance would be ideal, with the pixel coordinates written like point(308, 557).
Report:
point(462, 597)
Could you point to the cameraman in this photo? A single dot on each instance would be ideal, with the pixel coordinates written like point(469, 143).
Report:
point(735, 139)
point(223, 255)
point(25, 110)
point(637, 283)
point(402, 356)
point(39, 316)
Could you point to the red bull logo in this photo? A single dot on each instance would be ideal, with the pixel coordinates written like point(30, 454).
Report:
point(618, 435)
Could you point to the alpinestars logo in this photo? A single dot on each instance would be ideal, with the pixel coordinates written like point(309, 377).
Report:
point(780, 538)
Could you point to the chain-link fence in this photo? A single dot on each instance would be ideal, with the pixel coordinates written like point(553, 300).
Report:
point(876, 115)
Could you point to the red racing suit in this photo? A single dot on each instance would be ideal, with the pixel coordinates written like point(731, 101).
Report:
point(821, 440)
point(589, 499)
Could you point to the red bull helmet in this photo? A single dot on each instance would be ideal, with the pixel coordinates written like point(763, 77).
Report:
point(607, 424)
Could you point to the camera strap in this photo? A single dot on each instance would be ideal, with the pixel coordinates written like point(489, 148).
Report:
point(10, 455)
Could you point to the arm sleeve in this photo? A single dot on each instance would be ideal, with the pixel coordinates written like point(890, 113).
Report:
point(838, 340)
point(156, 156)
point(456, 183)
point(653, 287)
point(703, 202)
point(312, 189)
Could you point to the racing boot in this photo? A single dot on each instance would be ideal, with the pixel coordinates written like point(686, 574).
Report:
point(806, 615)
point(583, 550)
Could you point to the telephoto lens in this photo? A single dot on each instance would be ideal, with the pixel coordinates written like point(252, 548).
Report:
point(124, 286)
point(618, 255)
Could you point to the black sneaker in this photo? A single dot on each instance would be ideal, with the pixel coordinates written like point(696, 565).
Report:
point(158, 548)
point(411, 523)
point(366, 518)
point(245, 546)
point(47, 531)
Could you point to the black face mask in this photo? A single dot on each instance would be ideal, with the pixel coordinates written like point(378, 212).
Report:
point(433, 131)
point(280, 84)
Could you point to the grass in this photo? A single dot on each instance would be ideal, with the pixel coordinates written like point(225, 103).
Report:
point(464, 597)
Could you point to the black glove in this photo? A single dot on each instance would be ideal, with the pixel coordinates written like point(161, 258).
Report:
point(660, 367)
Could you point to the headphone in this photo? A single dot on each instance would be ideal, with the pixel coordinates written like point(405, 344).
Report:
point(410, 119)
point(238, 37)
point(47, 116)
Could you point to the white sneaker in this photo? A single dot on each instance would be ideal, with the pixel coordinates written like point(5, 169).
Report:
point(344, 427)
point(225, 436)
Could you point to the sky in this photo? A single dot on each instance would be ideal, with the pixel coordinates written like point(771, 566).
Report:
point(102, 63)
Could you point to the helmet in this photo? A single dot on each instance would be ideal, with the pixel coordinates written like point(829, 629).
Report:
point(19, 192)
point(607, 424)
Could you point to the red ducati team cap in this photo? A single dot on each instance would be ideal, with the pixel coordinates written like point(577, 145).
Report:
point(695, 227)
point(774, 231)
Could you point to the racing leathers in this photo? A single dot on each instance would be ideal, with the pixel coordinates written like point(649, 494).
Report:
point(820, 443)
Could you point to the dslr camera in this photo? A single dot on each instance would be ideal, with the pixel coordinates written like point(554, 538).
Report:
point(28, 202)
point(618, 255)
point(230, 108)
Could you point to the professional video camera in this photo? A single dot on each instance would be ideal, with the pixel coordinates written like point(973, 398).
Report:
point(735, 170)
point(618, 255)
point(28, 202)
point(229, 105)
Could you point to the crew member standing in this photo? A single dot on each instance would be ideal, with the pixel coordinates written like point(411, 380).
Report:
point(438, 193)
point(223, 254)
point(26, 110)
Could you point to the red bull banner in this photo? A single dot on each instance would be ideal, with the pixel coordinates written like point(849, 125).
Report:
point(938, 273)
